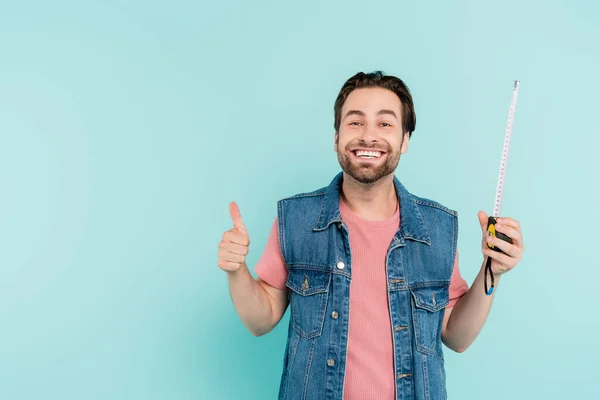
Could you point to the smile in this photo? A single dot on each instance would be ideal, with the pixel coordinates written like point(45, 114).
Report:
point(367, 154)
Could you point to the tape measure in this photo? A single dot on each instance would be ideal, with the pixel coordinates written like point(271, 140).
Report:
point(500, 191)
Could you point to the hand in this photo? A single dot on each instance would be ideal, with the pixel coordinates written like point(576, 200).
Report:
point(502, 263)
point(233, 247)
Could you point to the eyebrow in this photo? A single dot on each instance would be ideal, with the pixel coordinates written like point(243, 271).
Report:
point(362, 114)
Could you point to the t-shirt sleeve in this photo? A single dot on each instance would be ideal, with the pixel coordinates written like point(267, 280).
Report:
point(458, 286)
point(271, 265)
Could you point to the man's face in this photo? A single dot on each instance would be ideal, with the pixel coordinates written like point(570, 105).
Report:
point(370, 139)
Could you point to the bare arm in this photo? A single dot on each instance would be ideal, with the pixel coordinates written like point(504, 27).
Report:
point(464, 321)
point(259, 305)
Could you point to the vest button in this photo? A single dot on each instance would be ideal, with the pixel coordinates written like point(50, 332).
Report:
point(331, 362)
point(335, 315)
point(340, 265)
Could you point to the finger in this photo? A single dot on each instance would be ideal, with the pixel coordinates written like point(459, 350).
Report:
point(510, 249)
point(236, 217)
point(237, 237)
point(234, 248)
point(228, 256)
point(512, 233)
point(501, 258)
point(483, 218)
point(510, 222)
point(229, 266)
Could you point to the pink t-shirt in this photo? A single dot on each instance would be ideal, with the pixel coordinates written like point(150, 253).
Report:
point(370, 355)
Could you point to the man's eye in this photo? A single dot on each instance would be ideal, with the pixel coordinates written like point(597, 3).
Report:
point(385, 124)
point(355, 123)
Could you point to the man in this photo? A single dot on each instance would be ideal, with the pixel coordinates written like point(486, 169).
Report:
point(370, 270)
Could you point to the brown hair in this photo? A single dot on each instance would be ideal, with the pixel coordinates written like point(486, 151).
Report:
point(374, 80)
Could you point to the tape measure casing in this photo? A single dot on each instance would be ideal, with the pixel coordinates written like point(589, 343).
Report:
point(492, 231)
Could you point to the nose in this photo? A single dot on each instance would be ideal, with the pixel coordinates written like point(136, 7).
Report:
point(369, 135)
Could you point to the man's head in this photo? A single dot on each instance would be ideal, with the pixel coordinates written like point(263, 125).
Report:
point(374, 118)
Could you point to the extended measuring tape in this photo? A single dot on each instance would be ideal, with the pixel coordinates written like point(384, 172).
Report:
point(500, 192)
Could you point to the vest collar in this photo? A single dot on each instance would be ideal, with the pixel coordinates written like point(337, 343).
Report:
point(411, 221)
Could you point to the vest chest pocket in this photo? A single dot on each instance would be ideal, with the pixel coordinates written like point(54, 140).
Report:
point(308, 299)
point(428, 306)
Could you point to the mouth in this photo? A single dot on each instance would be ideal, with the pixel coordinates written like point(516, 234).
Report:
point(366, 154)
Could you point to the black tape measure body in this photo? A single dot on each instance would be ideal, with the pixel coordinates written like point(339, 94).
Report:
point(488, 265)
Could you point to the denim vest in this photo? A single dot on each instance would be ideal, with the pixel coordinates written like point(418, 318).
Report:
point(315, 245)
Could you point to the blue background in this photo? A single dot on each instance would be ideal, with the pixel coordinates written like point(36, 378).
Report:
point(126, 128)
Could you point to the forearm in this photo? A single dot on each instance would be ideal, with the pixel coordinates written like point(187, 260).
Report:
point(469, 314)
point(251, 301)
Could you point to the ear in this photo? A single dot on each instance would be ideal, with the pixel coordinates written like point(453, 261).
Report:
point(404, 147)
point(336, 139)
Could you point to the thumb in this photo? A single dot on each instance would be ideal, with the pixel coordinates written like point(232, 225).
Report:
point(483, 220)
point(236, 217)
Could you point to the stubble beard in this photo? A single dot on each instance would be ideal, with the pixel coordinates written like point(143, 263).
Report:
point(367, 172)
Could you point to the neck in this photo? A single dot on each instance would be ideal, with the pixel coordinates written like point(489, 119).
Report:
point(371, 201)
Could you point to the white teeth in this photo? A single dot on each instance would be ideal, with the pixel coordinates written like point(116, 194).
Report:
point(368, 154)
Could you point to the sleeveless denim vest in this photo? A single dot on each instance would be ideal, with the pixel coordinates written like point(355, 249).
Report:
point(315, 245)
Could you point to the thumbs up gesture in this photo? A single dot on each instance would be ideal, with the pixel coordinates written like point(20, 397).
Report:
point(233, 247)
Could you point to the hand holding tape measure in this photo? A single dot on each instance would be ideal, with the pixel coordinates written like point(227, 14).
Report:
point(502, 239)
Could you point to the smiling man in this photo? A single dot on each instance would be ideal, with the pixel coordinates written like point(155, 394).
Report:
point(370, 270)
